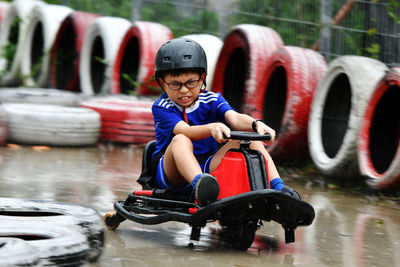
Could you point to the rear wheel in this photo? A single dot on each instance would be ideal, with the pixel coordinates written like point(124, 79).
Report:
point(239, 235)
point(110, 221)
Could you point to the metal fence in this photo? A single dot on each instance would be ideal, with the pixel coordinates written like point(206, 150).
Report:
point(334, 27)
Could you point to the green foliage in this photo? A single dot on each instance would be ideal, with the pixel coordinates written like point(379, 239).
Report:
point(393, 10)
point(296, 21)
point(131, 79)
point(181, 22)
point(116, 8)
point(8, 51)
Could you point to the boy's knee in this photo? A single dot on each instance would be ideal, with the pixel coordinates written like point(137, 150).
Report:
point(180, 140)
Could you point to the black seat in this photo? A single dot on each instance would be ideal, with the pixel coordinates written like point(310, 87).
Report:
point(149, 149)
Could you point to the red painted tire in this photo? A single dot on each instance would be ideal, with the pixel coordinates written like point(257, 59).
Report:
point(337, 113)
point(43, 24)
point(284, 98)
point(241, 63)
point(136, 56)
point(3, 126)
point(100, 46)
point(126, 120)
point(379, 140)
point(65, 53)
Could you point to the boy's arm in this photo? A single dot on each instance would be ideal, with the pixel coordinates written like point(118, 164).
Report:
point(199, 132)
point(243, 122)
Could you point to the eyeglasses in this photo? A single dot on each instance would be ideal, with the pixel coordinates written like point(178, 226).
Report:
point(175, 85)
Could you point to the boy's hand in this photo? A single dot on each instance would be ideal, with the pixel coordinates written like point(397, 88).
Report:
point(262, 129)
point(217, 131)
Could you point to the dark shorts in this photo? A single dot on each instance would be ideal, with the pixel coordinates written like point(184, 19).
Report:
point(160, 177)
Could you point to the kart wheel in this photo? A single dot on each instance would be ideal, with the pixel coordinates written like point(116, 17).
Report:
point(110, 222)
point(240, 235)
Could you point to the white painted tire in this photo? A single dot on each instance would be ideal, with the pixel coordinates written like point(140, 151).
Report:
point(379, 142)
point(40, 96)
point(55, 245)
point(136, 56)
point(77, 217)
point(337, 111)
point(52, 125)
point(17, 252)
point(43, 24)
point(212, 46)
point(102, 41)
point(18, 10)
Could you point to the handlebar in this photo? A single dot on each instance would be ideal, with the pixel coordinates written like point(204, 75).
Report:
point(239, 135)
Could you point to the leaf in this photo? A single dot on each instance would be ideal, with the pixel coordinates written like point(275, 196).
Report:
point(374, 49)
point(372, 31)
point(101, 60)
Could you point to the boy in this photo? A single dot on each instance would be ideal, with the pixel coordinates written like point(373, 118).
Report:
point(190, 122)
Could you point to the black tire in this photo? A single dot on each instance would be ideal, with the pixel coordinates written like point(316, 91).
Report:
point(17, 252)
point(55, 245)
point(239, 235)
point(85, 220)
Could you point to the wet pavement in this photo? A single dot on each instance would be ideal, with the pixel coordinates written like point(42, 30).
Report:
point(349, 229)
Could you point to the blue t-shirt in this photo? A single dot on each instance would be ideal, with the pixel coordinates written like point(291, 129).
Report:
point(210, 107)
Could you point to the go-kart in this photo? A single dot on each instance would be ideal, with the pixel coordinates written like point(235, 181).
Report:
point(244, 200)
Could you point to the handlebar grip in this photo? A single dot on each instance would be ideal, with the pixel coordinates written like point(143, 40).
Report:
point(239, 135)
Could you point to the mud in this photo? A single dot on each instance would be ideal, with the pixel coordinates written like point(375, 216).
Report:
point(349, 229)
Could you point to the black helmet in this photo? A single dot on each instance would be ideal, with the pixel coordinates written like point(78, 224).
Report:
point(180, 53)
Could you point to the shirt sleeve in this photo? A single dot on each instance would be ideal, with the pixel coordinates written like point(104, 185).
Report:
point(222, 107)
point(165, 120)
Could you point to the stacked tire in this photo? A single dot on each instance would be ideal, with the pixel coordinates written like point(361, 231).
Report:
point(134, 64)
point(241, 64)
point(124, 119)
point(44, 21)
point(284, 98)
point(52, 125)
point(99, 51)
point(337, 113)
point(379, 138)
point(39, 96)
point(13, 31)
point(56, 233)
point(66, 51)
point(212, 47)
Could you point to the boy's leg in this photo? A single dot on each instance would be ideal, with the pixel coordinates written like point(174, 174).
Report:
point(180, 164)
point(181, 167)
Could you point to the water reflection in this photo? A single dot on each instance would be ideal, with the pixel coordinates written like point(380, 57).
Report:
point(347, 230)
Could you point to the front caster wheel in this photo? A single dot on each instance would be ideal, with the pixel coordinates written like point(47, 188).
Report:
point(110, 221)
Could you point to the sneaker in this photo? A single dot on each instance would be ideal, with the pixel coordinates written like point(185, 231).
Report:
point(207, 189)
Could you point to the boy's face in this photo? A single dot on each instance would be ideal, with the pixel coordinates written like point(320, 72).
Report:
point(189, 83)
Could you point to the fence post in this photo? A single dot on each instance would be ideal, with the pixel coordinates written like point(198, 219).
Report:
point(136, 10)
point(325, 33)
